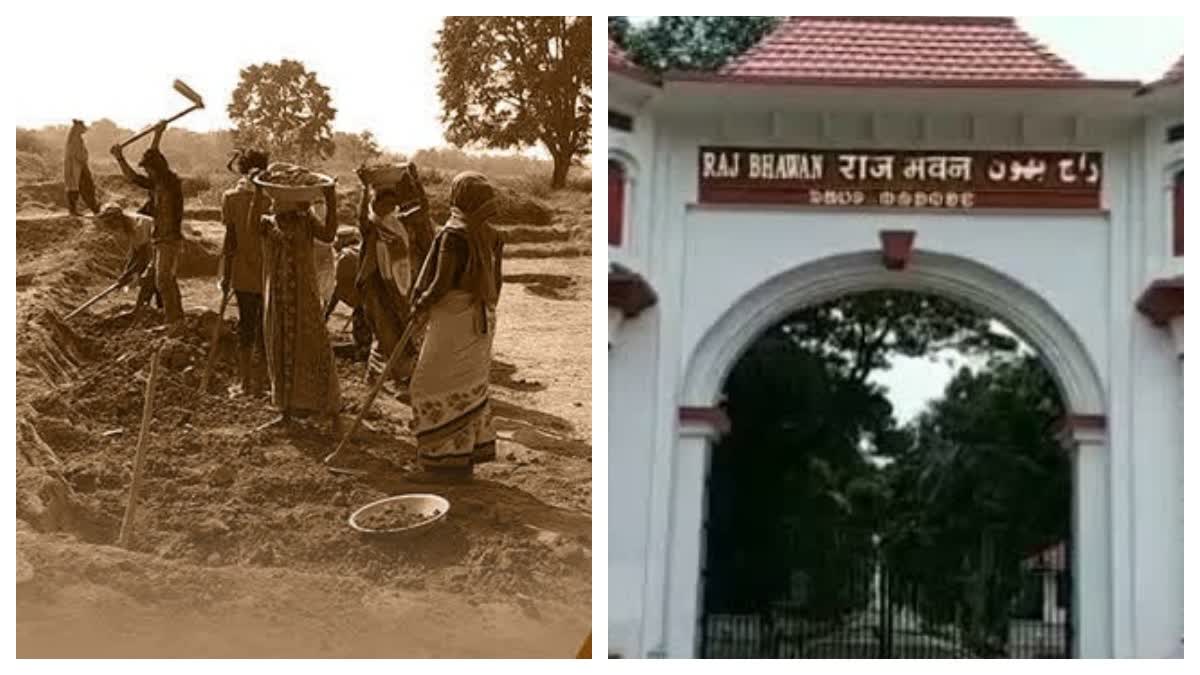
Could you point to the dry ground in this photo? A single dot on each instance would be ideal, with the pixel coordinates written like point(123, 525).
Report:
point(241, 546)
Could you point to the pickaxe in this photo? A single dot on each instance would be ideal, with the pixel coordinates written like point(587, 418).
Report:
point(188, 93)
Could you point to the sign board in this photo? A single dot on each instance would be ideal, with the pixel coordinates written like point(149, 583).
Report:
point(927, 179)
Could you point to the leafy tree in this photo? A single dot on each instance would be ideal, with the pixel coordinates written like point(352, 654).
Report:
point(513, 81)
point(618, 29)
point(860, 333)
point(983, 486)
point(285, 109)
point(357, 148)
point(799, 484)
point(689, 42)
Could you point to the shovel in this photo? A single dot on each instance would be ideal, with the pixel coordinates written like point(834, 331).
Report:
point(188, 93)
point(96, 298)
point(212, 348)
point(366, 405)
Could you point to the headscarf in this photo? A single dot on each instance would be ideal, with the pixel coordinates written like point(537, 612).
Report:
point(75, 146)
point(472, 204)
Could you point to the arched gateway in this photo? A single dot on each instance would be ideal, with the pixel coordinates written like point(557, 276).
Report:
point(1045, 200)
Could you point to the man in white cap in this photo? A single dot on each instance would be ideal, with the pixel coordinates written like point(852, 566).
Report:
point(77, 177)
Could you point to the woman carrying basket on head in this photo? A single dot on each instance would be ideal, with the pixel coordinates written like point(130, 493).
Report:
point(456, 295)
point(299, 356)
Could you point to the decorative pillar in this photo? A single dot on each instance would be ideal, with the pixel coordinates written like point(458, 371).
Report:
point(699, 428)
point(1085, 436)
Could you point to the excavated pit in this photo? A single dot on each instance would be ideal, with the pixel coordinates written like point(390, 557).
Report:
point(215, 492)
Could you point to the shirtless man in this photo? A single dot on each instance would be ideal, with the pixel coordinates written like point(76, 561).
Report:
point(165, 207)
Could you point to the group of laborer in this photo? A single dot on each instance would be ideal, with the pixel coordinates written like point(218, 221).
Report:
point(446, 281)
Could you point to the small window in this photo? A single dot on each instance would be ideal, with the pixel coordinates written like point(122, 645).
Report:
point(616, 202)
point(619, 121)
point(1177, 214)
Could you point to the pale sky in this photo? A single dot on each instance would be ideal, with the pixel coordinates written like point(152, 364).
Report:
point(99, 61)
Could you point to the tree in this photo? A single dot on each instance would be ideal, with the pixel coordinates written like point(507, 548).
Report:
point(357, 148)
point(983, 486)
point(808, 424)
point(861, 332)
point(689, 42)
point(283, 108)
point(513, 81)
point(618, 29)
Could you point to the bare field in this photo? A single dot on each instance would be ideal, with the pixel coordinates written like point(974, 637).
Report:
point(241, 546)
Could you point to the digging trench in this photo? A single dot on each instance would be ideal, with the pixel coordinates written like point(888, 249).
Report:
point(215, 493)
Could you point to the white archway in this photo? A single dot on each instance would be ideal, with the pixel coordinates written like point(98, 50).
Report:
point(959, 279)
point(953, 277)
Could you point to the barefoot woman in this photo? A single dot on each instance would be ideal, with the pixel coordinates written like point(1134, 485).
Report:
point(457, 291)
point(299, 357)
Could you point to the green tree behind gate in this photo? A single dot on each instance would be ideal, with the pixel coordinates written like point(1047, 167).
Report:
point(688, 42)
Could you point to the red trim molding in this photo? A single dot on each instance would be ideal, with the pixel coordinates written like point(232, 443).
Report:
point(629, 292)
point(712, 417)
point(1071, 427)
point(1162, 300)
point(897, 247)
point(1085, 423)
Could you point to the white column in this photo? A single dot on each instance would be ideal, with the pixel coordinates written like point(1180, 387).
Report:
point(1049, 597)
point(686, 548)
point(1091, 604)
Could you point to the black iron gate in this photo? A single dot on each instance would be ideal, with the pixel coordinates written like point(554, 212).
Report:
point(858, 605)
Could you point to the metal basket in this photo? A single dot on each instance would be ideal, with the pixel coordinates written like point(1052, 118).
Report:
point(421, 504)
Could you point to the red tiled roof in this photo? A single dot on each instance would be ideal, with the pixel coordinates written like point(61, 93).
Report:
point(934, 51)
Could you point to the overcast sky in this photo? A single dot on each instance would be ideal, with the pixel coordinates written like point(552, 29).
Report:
point(105, 60)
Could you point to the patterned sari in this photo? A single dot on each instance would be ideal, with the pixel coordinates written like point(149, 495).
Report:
point(452, 411)
point(299, 356)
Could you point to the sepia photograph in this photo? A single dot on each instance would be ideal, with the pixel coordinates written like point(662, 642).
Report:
point(895, 337)
point(303, 335)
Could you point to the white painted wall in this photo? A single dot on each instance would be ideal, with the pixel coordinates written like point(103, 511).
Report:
point(1089, 267)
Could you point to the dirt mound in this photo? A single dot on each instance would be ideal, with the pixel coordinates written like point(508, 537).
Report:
point(80, 252)
point(233, 520)
point(525, 234)
point(33, 168)
point(109, 187)
point(217, 493)
point(552, 250)
point(515, 208)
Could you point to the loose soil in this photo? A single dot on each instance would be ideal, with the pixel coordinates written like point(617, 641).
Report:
point(241, 545)
point(393, 516)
